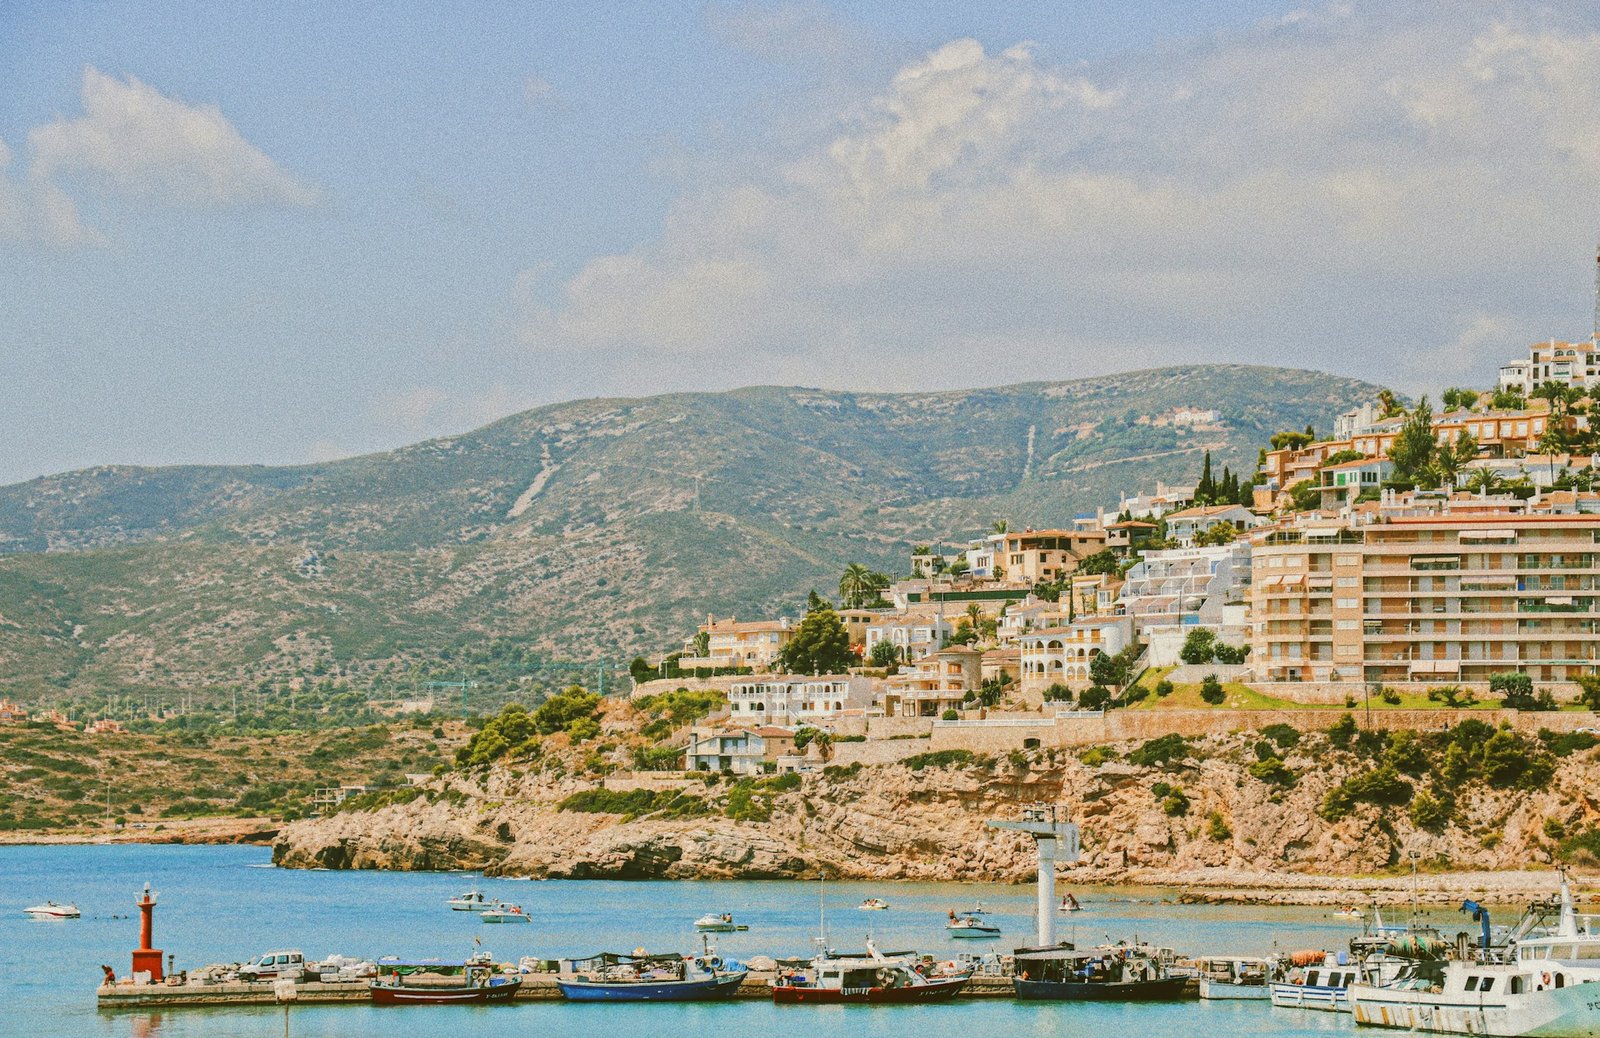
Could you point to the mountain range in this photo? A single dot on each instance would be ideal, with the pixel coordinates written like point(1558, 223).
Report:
point(587, 531)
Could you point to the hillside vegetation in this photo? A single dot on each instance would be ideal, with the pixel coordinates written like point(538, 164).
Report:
point(587, 531)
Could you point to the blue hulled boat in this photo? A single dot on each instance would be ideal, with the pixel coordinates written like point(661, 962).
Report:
point(610, 977)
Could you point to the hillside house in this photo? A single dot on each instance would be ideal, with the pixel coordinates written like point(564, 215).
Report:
point(1185, 525)
point(934, 683)
point(1129, 535)
point(1186, 586)
point(1568, 363)
point(12, 713)
point(914, 634)
point(742, 751)
point(1036, 556)
point(734, 643)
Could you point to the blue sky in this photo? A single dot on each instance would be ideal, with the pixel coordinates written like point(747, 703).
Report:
point(286, 232)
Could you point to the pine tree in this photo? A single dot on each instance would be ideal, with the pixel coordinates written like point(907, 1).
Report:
point(1206, 489)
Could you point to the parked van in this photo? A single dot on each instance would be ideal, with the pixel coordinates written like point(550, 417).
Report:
point(274, 964)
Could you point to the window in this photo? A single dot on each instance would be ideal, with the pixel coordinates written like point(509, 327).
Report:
point(1488, 982)
point(1348, 582)
point(1472, 984)
point(1347, 603)
point(1346, 625)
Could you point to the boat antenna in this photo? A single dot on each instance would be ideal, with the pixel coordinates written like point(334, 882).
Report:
point(822, 909)
point(1414, 855)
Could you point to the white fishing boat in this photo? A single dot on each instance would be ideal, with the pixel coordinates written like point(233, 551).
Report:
point(504, 914)
point(472, 901)
point(1321, 980)
point(873, 904)
point(1234, 978)
point(51, 910)
point(711, 922)
point(970, 926)
point(1542, 990)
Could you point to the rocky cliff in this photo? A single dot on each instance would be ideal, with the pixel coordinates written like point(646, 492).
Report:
point(1204, 815)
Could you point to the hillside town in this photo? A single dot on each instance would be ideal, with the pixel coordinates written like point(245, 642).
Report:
point(1411, 558)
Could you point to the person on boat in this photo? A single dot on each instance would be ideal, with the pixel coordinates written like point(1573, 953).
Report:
point(1072, 903)
point(952, 915)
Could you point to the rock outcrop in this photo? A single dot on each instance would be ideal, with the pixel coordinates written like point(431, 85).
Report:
point(892, 821)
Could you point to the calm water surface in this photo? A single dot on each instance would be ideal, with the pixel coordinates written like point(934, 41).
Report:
point(218, 904)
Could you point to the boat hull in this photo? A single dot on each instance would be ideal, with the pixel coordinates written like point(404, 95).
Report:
point(1228, 991)
point(1571, 1012)
point(708, 990)
point(933, 991)
point(500, 990)
point(1167, 989)
point(1311, 996)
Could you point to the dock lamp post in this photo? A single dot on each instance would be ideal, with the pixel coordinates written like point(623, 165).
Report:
point(1056, 840)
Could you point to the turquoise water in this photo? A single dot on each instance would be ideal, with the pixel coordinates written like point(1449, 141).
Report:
point(218, 905)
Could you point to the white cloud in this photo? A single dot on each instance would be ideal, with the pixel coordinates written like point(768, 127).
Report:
point(783, 31)
point(1327, 190)
point(136, 141)
point(38, 211)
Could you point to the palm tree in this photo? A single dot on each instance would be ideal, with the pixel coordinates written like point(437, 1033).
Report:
point(974, 615)
point(1483, 481)
point(855, 584)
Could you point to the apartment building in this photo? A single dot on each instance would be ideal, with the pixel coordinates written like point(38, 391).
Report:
point(1428, 598)
point(1046, 555)
point(748, 643)
point(1185, 586)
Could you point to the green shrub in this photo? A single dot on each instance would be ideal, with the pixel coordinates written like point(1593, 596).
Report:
point(1272, 771)
point(1161, 751)
point(1380, 786)
point(1095, 756)
point(1285, 735)
point(1430, 812)
point(842, 771)
point(1581, 848)
point(1405, 754)
point(1095, 697)
point(1175, 803)
point(939, 759)
point(1554, 829)
point(745, 806)
point(950, 714)
point(1217, 827)
point(1342, 731)
point(1211, 690)
point(1058, 693)
point(1163, 688)
point(1160, 789)
point(1567, 743)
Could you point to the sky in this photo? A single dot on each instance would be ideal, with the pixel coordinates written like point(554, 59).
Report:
point(289, 232)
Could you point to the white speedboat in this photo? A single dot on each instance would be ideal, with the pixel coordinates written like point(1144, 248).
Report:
point(1234, 978)
point(504, 914)
point(51, 910)
point(711, 922)
point(472, 901)
point(1543, 989)
point(970, 926)
point(873, 904)
point(1070, 904)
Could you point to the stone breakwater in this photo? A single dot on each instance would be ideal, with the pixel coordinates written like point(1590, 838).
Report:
point(1237, 838)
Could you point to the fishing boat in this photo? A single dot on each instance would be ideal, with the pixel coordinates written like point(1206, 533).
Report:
point(51, 910)
point(472, 901)
point(1064, 973)
point(1234, 978)
point(714, 923)
point(873, 904)
point(504, 914)
point(967, 926)
point(1541, 989)
point(477, 986)
point(1321, 980)
point(610, 977)
point(872, 978)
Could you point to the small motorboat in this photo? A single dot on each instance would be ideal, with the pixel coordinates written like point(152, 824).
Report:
point(472, 901)
point(1235, 978)
point(873, 904)
point(505, 914)
point(1070, 904)
point(714, 923)
point(1349, 913)
point(610, 977)
point(970, 926)
point(479, 987)
point(51, 910)
point(872, 978)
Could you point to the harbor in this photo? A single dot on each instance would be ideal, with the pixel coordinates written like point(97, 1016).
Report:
point(392, 919)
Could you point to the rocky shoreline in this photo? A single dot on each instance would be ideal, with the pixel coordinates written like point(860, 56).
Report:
point(1204, 826)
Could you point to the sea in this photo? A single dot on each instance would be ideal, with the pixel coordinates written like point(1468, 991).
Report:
point(227, 904)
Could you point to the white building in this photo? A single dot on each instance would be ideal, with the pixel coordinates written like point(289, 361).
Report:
point(1063, 654)
point(914, 634)
point(783, 699)
point(1185, 525)
point(1568, 363)
point(742, 751)
point(1186, 586)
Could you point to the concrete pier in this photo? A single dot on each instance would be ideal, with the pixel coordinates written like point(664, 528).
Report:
point(536, 987)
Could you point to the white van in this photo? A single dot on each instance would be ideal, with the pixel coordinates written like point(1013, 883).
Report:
point(274, 964)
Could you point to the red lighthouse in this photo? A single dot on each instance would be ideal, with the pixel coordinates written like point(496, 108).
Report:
point(147, 957)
